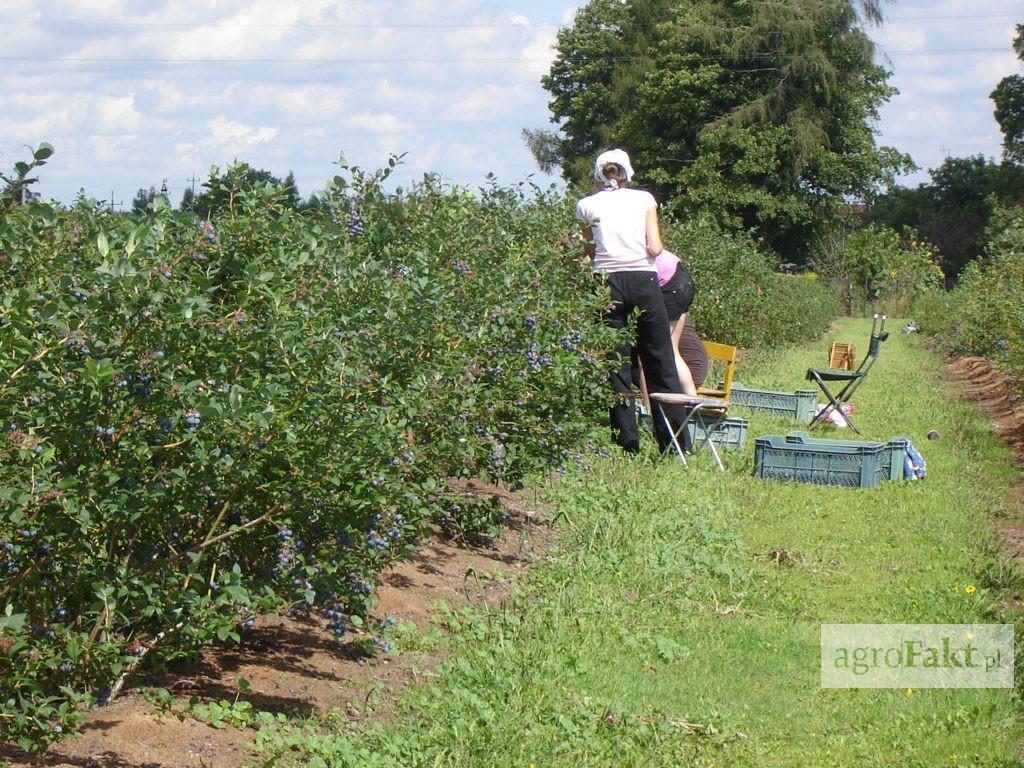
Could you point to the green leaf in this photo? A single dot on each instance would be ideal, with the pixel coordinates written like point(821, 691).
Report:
point(12, 622)
point(103, 244)
point(235, 398)
point(43, 152)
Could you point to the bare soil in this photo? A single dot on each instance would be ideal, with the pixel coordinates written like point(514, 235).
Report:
point(982, 383)
point(295, 666)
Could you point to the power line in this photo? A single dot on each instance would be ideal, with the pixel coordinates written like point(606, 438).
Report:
point(391, 25)
point(452, 59)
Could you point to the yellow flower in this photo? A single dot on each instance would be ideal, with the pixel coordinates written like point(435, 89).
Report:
point(956, 588)
point(894, 273)
point(910, 691)
point(970, 590)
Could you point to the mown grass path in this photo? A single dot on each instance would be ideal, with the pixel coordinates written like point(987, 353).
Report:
point(679, 622)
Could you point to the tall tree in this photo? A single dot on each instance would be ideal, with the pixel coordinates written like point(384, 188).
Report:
point(759, 113)
point(954, 210)
point(291, 191)
point(188, 199)
point(1009, 99)
point(143, 199)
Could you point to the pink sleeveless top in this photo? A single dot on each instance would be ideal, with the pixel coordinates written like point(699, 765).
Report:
point(666, 263)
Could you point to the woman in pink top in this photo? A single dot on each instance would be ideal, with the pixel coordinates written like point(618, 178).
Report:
point(677, 293)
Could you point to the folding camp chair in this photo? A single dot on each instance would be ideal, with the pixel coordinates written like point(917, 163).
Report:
point(708, 408)
point(852, 379)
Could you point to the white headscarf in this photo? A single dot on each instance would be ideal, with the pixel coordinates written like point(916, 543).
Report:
point(617, 157)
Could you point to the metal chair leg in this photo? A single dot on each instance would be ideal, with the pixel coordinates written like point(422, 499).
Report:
point(673, 433)
point(836, 405)
point(709, 431)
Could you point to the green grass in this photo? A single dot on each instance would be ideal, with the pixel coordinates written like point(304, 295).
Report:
point(662, 633)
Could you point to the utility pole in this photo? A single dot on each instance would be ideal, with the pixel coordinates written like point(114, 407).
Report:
point(163, 190)
point(114, 205)
point(193, 180)
point(945, 151)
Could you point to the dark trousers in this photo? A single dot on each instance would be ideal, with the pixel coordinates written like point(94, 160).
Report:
point(640, 290)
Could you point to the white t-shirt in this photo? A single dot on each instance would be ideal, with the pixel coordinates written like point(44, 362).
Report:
point(618, 218)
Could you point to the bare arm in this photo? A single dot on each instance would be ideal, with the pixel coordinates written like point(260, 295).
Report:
point(588, 242)
point(654, 244)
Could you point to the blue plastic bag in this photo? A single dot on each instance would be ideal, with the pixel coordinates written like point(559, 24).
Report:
point(913, 465)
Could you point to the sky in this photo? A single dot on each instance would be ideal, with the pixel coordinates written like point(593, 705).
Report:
point(135, 92)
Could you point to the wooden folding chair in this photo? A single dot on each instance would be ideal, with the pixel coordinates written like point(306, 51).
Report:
point(852, 379)
point(708, 408)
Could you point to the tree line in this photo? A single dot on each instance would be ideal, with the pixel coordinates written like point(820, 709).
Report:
point(763, 117)
point(214, 194)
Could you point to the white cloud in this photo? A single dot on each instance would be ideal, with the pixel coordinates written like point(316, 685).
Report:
point(116, 114)
point(454, 115)
point(540, 52)
point(375, 122)
point(487, 102)
point(229, 136)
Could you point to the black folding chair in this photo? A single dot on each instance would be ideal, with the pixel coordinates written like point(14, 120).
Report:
point(852, 379)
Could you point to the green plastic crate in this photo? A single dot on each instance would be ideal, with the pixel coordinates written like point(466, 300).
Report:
point(852, 466)
point(894, 454)
point(897, 450)
point(797, 405)
point(730, 435)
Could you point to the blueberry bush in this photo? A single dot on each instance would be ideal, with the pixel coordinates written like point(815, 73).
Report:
point(984, 313)
point(206, 420)
point(202, 423)
point(741, 298)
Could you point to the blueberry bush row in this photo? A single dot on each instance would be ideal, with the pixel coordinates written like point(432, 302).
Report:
point(984, 314)
point(741, 298)
point(205, 422)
